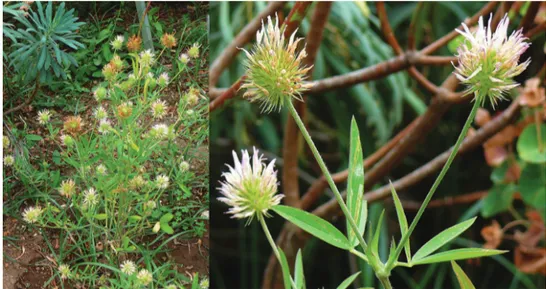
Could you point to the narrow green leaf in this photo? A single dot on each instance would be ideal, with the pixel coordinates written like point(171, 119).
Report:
point(355, 186)
point(347, 282)
point(464, 281)
point(402, 220)
point(373, 247)
point(442, 238)
point(285, 270)
point(299, 278)
point(100, 216)
point(458, 254)
point(314, 225)
point(375, 241)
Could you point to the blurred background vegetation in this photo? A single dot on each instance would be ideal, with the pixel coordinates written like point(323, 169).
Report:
point(353, 40)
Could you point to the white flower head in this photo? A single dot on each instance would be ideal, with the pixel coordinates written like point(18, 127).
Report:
point(162, 181)
point(117, 43)
point(104, 126)
point(9, 160)
point(32, 214)
point(145, 277)
point(489, 61)
point(150, 205)
point(137, 182)
point(147, 58)
point(159, 109)
point(184, 166)
point(193, 52)
point(163, 79)
point(184, 58)
point(250, 187)
point(90, 198)
point(67, 188)
point(128, 267)
point(100, 113)
point(101, 170)
point(44, 116)
point(64, 270)
point(160, 131)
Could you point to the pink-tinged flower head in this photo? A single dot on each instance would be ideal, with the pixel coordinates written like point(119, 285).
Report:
point(275, 71)
point(488, 61)
point(250, 187)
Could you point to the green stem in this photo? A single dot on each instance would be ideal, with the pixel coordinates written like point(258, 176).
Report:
point(385, 282)
point(273, 245)
point(326, 173)
point(439, 179)
point(359, 255)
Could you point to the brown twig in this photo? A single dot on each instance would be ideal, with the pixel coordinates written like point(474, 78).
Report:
point(412, 27)
point(530, 15)
point(447, 201)
point(226, 94)
point(536, 30)
point(437, 60)
point(386, 28)
point(389, 35)
point(244, 36)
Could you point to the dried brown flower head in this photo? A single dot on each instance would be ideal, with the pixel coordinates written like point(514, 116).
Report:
point(134, 43)
point(73, 125)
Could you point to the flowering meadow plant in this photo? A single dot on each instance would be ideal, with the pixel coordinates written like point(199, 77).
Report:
point(128, 180)
point(487, 64)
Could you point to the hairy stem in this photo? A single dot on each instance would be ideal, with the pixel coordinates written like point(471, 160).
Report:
point(437, 182)
point(326, 173)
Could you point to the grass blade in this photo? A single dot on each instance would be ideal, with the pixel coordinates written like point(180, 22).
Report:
point(458, 254)
point(464, 281)
point(402, 220)
point(347, 282)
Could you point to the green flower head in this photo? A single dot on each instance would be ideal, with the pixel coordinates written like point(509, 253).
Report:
point(275, 72)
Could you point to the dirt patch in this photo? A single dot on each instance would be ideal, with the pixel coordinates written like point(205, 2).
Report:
point(22, 257)
point(35, 276)
point(192, 254)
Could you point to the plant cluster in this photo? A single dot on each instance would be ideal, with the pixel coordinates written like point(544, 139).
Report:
point(125, 188)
